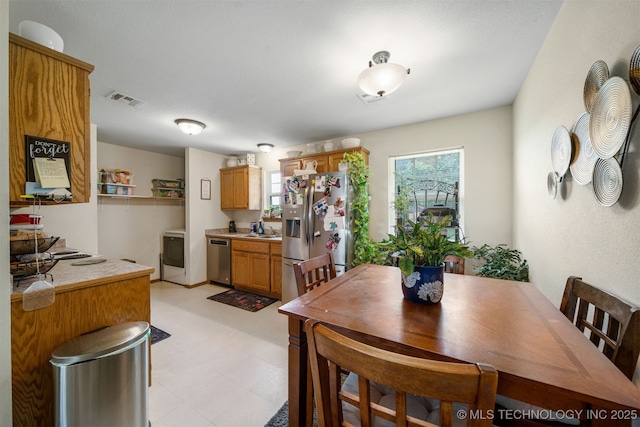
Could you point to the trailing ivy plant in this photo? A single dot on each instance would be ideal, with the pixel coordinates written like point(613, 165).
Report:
point(501, 263)
point(365, 249)
point(401, 203)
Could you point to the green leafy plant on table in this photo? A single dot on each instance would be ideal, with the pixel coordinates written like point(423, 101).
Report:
point(423, 243)
point(501, 262)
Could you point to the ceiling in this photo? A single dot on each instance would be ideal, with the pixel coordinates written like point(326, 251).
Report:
point(284, 72)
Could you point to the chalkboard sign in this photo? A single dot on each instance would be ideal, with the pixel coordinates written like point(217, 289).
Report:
point(36, 146)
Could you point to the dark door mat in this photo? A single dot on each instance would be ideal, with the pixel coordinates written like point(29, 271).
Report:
point(281, 418)
point(244, 300)
point(158, 335)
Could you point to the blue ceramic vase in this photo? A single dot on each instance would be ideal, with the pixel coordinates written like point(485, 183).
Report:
point(425, 285)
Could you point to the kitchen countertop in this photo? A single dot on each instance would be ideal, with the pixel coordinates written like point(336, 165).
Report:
point(67, 277)
point(224, 234)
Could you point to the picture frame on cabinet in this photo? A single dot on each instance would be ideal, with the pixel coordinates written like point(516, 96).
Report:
point(205, 189)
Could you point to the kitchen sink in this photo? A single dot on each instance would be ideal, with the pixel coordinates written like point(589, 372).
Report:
point(261, 236)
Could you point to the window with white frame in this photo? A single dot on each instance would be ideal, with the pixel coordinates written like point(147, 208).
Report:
point(427, 181)
point(274, 188)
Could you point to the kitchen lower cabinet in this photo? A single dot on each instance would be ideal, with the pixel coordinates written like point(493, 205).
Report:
point(87, 298)
point(256, 266)
point(276, 269)
point(250, 268)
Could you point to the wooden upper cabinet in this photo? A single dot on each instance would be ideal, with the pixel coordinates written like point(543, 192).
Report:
point(325, 162)
point(322, 165)
point(48, 98)
point(241, 188)
point(335, 158)
point(287, 166)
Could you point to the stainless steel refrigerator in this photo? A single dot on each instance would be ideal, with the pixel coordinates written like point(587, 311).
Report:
point(315, 220)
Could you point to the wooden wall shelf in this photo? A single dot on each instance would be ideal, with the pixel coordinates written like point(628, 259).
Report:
point(125, 196)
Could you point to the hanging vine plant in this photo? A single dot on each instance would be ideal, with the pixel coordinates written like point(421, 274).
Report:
point(365, 249)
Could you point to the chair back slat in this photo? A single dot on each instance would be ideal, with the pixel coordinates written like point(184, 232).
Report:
point(314, 272)
point(471, 384)
point(612, 324)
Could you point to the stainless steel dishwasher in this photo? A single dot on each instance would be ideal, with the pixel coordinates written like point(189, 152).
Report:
point(219, 260)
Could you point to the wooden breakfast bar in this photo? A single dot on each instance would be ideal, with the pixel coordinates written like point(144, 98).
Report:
point(540, 356)
point(88, 297)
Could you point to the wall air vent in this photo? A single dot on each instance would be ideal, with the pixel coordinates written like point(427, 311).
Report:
point(127, 99)
point(369, 99)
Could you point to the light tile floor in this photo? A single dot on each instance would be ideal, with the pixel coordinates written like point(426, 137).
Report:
point(222, 366)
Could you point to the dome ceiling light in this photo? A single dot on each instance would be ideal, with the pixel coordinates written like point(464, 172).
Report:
point(382, 78)
point(190, 127)
point(265, 148)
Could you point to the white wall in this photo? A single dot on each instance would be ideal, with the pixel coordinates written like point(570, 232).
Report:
point(5, 309)
point(77, 223)
point(202, 214)
point(486, 192)
point(486, 187)
point(131, 228)
point(574, 234)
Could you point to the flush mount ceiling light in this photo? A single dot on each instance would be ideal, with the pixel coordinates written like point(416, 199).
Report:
point(190, 127)
point(265, 148)
point(382, 78)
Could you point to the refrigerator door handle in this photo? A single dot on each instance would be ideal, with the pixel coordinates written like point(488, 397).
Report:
point(310, 219)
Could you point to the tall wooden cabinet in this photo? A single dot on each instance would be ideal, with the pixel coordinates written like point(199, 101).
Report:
point(48, 98)
point(241, 188)
point(325, 162)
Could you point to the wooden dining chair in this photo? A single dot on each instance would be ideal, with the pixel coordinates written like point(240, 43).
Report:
point(454, 264)
point(612, 325)
point(408, 376)
point(310, 274)
point(314, 272)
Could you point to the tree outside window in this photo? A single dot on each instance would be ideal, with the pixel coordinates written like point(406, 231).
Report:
point(424, 181)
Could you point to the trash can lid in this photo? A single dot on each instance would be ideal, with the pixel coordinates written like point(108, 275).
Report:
point(100, 343)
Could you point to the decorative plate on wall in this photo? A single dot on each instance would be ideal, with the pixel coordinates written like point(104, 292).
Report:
point(552, 184)
point(634, 69)
point(561, 150)
point(610, 118)
point(607, 181)
point(582, 168)
point(597, 76)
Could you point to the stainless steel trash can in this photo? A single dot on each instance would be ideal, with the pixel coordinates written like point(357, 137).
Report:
point(102, 378)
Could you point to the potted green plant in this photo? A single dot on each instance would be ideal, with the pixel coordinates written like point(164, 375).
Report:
point(501, 262)
point(420, 249)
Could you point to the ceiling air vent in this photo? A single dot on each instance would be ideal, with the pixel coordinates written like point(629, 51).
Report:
point(127, 99)
point(369, 99)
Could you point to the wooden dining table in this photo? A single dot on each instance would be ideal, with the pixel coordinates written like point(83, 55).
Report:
point(540, 356)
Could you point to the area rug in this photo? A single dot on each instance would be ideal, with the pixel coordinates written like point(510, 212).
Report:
point(281, 418)
point(158, 335)
point(244, 300)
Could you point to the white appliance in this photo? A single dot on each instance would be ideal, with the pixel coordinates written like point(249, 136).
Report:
point(172, 259)
point(315, 220)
